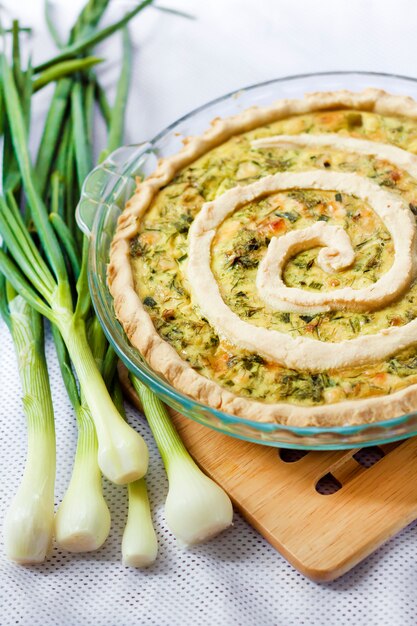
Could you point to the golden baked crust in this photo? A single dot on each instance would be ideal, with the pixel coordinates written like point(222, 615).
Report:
point(138, 325)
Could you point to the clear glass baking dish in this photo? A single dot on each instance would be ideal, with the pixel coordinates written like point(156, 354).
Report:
point(110, 185)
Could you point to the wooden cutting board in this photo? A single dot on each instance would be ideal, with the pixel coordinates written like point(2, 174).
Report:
point(322, 536)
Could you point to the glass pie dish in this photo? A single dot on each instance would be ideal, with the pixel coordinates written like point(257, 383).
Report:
point(112, 183)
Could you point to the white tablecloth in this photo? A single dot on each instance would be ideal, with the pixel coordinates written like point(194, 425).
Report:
point(236, 579)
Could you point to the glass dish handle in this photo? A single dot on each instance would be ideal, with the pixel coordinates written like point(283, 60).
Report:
point(110, 183)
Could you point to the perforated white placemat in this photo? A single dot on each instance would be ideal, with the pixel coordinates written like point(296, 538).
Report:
point(236, 579)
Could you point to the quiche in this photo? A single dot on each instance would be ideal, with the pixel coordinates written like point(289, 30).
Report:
point(268, 269)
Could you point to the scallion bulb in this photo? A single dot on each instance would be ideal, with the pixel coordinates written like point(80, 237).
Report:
point(122, 452)
point(28, 524)
point(139, 545)
point(196, 508)
point(82, 521)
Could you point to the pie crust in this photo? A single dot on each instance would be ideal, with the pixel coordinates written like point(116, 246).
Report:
point(161, 356)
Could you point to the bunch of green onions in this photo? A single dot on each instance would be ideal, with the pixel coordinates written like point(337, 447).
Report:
point(43, 265)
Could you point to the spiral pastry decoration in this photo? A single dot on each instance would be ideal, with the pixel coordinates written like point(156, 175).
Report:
point(335, 255)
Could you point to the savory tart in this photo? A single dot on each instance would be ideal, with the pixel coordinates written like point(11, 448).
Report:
point(269, 268)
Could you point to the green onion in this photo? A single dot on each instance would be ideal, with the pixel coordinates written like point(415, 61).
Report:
point(28, 525)
point(122, 453)
point(82, 521)
point(139, 543)
point(196, 508)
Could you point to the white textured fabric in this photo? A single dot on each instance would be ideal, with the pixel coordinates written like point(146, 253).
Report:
point(236, 579)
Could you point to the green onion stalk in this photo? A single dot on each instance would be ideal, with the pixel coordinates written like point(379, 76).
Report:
point(196, 507)
point(28, 525)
